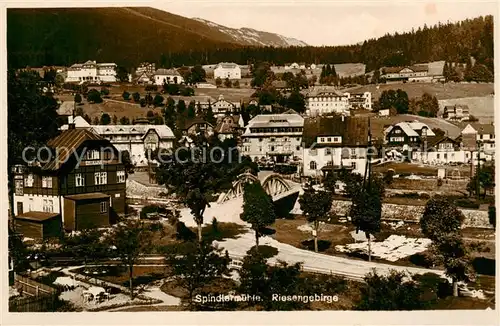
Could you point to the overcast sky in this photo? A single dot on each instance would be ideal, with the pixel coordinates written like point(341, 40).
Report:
point(331, 22)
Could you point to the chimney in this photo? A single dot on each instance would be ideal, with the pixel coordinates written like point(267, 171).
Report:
point(343, 118)
point(71, 122)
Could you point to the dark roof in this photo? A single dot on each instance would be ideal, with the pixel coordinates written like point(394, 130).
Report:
point(483, 128)
point(353, 130)
point(189, 123)
point(437, 140)
point(37, 216)
point(389, 70)
point(92, 195)
point(67, 142)
point(227, 128)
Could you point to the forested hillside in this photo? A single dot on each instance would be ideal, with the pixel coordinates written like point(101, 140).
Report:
point(38, 37)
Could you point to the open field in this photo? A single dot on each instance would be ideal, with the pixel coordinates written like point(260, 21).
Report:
point(441, 91)
point(118, 108)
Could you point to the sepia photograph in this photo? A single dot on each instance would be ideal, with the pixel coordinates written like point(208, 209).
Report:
point(248, 157)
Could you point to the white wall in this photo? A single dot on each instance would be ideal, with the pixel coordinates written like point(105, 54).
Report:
point(255, 148)
point(322, 157)
point(231, 73)
point(37, 203)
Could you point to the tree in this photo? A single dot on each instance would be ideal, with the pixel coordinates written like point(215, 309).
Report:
point(315, 204)
point(366, 207)
point(428, 104)
point(191, 111)
point(451, 249)
point(193, 175)
point(227, 83)
point(87, 245)
point(79, 111)
point(258, 208)
point(49, 76)
point(136, 96)
point(31, 115)
point(258, 278)
point(492, 216)
point(483, 181)
point(78, 98)
point(127, 162)
point(94, 96)
point(209, 114)
point(126, 95)
point(181, 107)
point(148, 99)
point(17, 252)
point(105, 119)
point(104, 91)
point(198, 267)
point(124, 120)
point(131, 239)
point(236, 84)
point(296, 102)
point(218, 81)
point(261, 74)
point(440, 217)
point(87, 118)
point(401, 103)
point(158, 100)
point(198, 74)
point(391, 292)
point(480, 73)
point(115, 119)
point(96, 120)
point(441, 222)
point(121, 74)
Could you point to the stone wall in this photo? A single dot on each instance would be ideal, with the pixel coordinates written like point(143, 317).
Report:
point(409, 213)
point(138, 190)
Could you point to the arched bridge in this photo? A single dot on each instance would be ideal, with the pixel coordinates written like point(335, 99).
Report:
point(273, 184)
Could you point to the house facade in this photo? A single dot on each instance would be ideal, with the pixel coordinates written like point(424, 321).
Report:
point(407, 135)
point(227, 70)
point(456, 112)
point(137, 139)
point(229, 126)
point(167, 76)
point(222, 107)
point(145, 67)
point(359, 100)
point(335, 142)
point(92, 72)
point(197, 126)
point(480, 136)
point(81, 186)
point(415, 73)
point(327, 102)
point(276, 137)
point(443, 150)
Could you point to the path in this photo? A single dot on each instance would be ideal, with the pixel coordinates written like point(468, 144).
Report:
point(316, 262)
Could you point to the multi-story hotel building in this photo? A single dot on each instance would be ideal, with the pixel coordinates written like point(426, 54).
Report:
point(327, 102)
point(274, 136)
point(91, 71)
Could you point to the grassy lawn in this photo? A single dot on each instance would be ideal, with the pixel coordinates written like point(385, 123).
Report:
point(419, 169)
point(462, 303)
point(441, 91)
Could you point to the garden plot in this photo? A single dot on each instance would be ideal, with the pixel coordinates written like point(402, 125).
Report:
point(393, 248)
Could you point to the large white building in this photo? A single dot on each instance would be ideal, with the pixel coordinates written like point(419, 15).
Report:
point(136, 139)
point(334, 142)
point(324, 102)
point(484, 137)
point(276, 137)
point(227, 70)
point(359, 100)
point(167, 76)
point(442, 150)
point(91, 71)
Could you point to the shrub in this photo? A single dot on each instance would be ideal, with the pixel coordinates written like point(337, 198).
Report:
point(265, 251)
point(148, 210)
point(440, 182)
point(466, 203)
point(151, 88)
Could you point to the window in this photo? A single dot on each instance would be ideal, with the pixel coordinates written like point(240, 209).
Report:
point(46, 182)
point(437, 156)
point(353, 165)
point(272, 148)
point(92, 155)
point(329, 139)
point(101, 178)
point(48, 205)
point(31, 205)
point(328, 151)
point(104, 207)
point(120, 176)
point(29, 180)
point(79, 180)
point(312, 165)
point(260, 139)
point(260, 148)
point(322, 139)
point(19, 188)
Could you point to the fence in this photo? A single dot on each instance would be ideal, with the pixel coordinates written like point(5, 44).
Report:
point(31, 287)
point(35, 304)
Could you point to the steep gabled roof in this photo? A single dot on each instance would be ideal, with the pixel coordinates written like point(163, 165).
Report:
point(66, 144)
point(353, 130)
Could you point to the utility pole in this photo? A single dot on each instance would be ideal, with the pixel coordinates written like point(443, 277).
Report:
point(478, 188)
